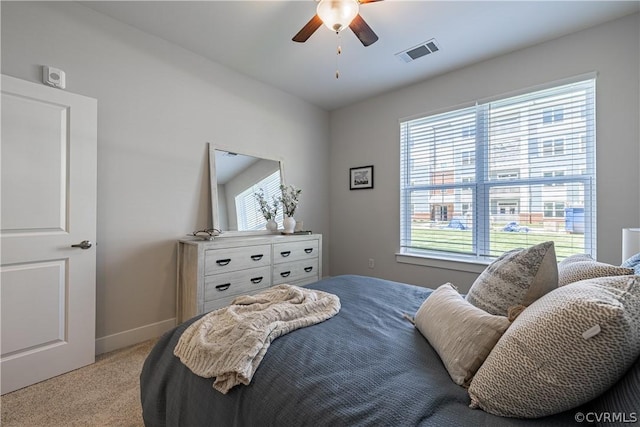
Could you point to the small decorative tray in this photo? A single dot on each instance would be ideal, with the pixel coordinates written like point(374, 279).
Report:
point(297, 232)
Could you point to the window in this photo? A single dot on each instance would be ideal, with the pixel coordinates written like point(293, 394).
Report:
point(552, 114)
point(554, 209)
point(553, 147)
point(527, 159)
point(468, 157)
point(469, 131)
point(247, 207)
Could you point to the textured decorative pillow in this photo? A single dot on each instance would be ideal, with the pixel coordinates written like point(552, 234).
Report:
point(633, 262)
point(563, 350)
point(520, 276)
point(582, 266)
point(463, 335)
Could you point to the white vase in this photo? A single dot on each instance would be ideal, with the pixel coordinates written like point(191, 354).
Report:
point(288, 224)
point(272, 225)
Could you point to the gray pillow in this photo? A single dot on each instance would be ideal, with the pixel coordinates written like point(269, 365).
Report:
point(463, 335)
point(565, 349)
point(582, 266)
point(518, 277)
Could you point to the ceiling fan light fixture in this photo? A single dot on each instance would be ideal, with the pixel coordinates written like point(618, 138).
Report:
point(337, 14)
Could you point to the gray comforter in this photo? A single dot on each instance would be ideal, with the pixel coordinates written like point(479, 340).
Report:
point(367, 366)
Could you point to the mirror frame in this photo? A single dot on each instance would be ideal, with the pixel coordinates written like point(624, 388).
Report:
point(213, 189)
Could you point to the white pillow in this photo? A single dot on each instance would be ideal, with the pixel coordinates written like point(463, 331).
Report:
point(463, 335)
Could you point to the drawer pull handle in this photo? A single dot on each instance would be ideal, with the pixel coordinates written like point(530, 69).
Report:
point(285, 253)
point(223, 287)
point(257, 257)
point(256, 279)
point(308, 269)
point(285, 273)
point(223, 262)
point(308, 250)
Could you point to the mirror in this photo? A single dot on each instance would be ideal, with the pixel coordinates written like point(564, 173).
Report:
point(235, 177)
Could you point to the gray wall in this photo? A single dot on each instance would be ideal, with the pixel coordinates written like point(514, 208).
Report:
point(158, 105)
point(365, 224)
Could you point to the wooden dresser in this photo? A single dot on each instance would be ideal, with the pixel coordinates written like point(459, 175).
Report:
point(212, 273)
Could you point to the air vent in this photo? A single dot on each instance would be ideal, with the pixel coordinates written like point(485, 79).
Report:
point(419, 51)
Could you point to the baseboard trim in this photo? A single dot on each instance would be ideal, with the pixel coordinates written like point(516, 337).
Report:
point(133, 336)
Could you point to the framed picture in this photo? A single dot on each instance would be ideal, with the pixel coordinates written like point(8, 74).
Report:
point(361, 178)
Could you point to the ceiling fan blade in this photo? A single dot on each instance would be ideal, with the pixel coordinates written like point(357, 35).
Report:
point(367, 1)
point(308, 29)
point(363, 31)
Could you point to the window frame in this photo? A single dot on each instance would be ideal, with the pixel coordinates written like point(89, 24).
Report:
point(482, 188)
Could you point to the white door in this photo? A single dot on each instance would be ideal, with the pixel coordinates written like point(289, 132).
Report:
point(48, 203)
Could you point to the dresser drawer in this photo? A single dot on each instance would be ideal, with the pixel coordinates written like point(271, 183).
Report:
point(236, 283)
point(296, 271)
point(294, 251)
point(218, 303)
point(211, 274)
point(233, 259)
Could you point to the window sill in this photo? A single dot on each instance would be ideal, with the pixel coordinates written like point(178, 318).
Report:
point(467, 264)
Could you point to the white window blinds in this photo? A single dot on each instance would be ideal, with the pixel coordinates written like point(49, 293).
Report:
point(502, 175)
point(248, 209)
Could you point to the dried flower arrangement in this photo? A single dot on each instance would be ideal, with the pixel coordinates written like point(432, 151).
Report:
point(269, 211)
point(289, 199)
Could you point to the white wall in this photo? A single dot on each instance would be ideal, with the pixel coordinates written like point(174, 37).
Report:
point(365, 224)
point(158, 105)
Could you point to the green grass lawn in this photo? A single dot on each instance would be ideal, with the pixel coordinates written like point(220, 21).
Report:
point(501, 241)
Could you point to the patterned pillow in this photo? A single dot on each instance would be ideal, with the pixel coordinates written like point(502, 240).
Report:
point(520, 276)
point(563, 350)
point(633, 262)
point(463, 335)
point(582, 266)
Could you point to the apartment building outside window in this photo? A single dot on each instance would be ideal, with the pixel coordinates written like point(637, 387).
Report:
point(468, 175)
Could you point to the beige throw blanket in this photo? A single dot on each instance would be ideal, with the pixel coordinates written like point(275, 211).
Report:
point(229, 343)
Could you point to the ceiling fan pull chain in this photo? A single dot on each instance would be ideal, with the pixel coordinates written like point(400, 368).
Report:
point(338, 53)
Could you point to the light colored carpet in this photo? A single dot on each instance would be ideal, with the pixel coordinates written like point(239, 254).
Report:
point(106, 393)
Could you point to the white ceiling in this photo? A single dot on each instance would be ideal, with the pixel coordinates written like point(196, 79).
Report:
point(254, 38)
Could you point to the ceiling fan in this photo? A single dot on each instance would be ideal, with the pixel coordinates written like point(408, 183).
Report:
point(337, 15)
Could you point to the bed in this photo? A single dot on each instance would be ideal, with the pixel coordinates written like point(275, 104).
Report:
point(367, 365)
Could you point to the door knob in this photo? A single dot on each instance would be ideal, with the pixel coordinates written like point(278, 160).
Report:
point(85, 244)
